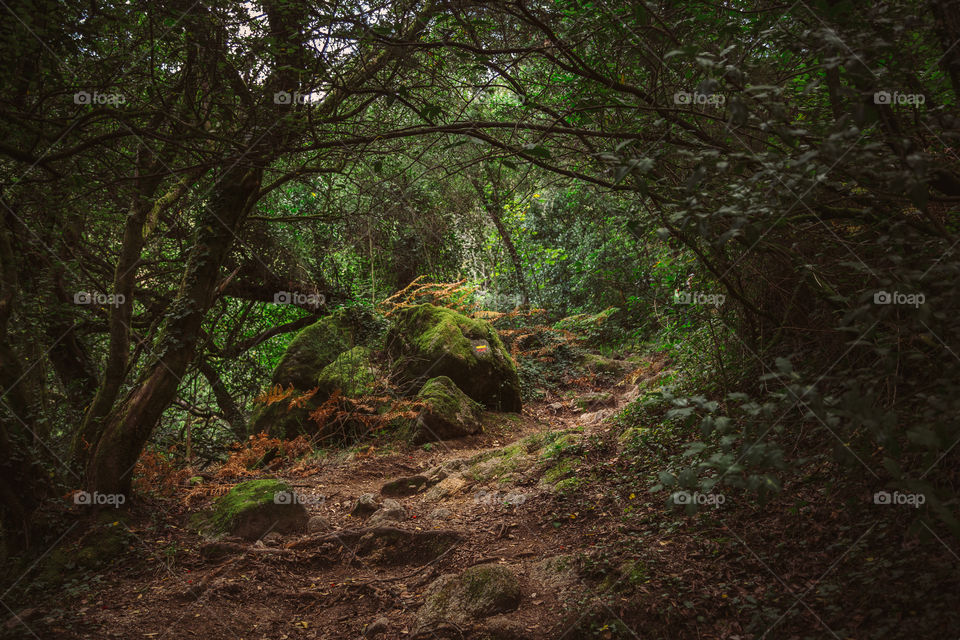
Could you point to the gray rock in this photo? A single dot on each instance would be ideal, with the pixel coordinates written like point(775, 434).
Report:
point(390, 511)
point(375, 628)
point(445, 470)
point(478, 592)
point(449, 487)
point(404, 486)
point(440, 514)
point(366, 505)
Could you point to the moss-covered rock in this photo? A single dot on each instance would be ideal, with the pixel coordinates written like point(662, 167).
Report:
point(279, 421)
point(448, 413)
point(352, 372)
point(591, 401)
point(311, 350)
point(106, 540)
point(479, 591)
point(500, 463)
point(430, 341)
point(601, 364)
point(308, 357)
point(254, 508)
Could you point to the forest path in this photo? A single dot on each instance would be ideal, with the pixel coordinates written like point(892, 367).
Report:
point(506, 502)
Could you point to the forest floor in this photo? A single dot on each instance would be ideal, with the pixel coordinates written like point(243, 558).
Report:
point(555, 494)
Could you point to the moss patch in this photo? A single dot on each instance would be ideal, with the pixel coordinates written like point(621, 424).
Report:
point(311, 350)
point(499, 462)
point(561, 443)
point(557, 472)
point(478, 592)
point(253, 508)
point(448, 413)
point(439, 341)
point(352, 372)
point(569, 485)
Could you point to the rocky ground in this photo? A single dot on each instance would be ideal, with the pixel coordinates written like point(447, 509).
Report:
point(466, 536)
point(540, 526)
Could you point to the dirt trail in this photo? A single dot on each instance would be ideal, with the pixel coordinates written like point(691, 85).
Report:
point(502, 503)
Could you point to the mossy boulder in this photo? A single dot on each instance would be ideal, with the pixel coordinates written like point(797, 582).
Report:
point(254, 508)
point(500, 463)
point(311, 350)
point(448, 413)
point(427, 341)
point(596, 400)
point(107, 539)
point(352, 372)
point(277, 420)
point(308, 357)
point(601, 364)
point(480, 591)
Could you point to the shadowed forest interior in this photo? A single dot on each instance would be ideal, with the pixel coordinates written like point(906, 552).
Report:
point(493, 319)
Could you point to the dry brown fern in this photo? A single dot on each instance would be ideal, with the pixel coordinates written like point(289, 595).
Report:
point(453, 295)
point(206, 491)
point(245, 457)
point(156, 472)
point(274, 394)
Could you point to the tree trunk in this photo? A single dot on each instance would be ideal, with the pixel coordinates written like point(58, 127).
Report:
point(121, 314)
point(493, 207)
point(129, 425)
point(228, 407)
point(21, 478)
